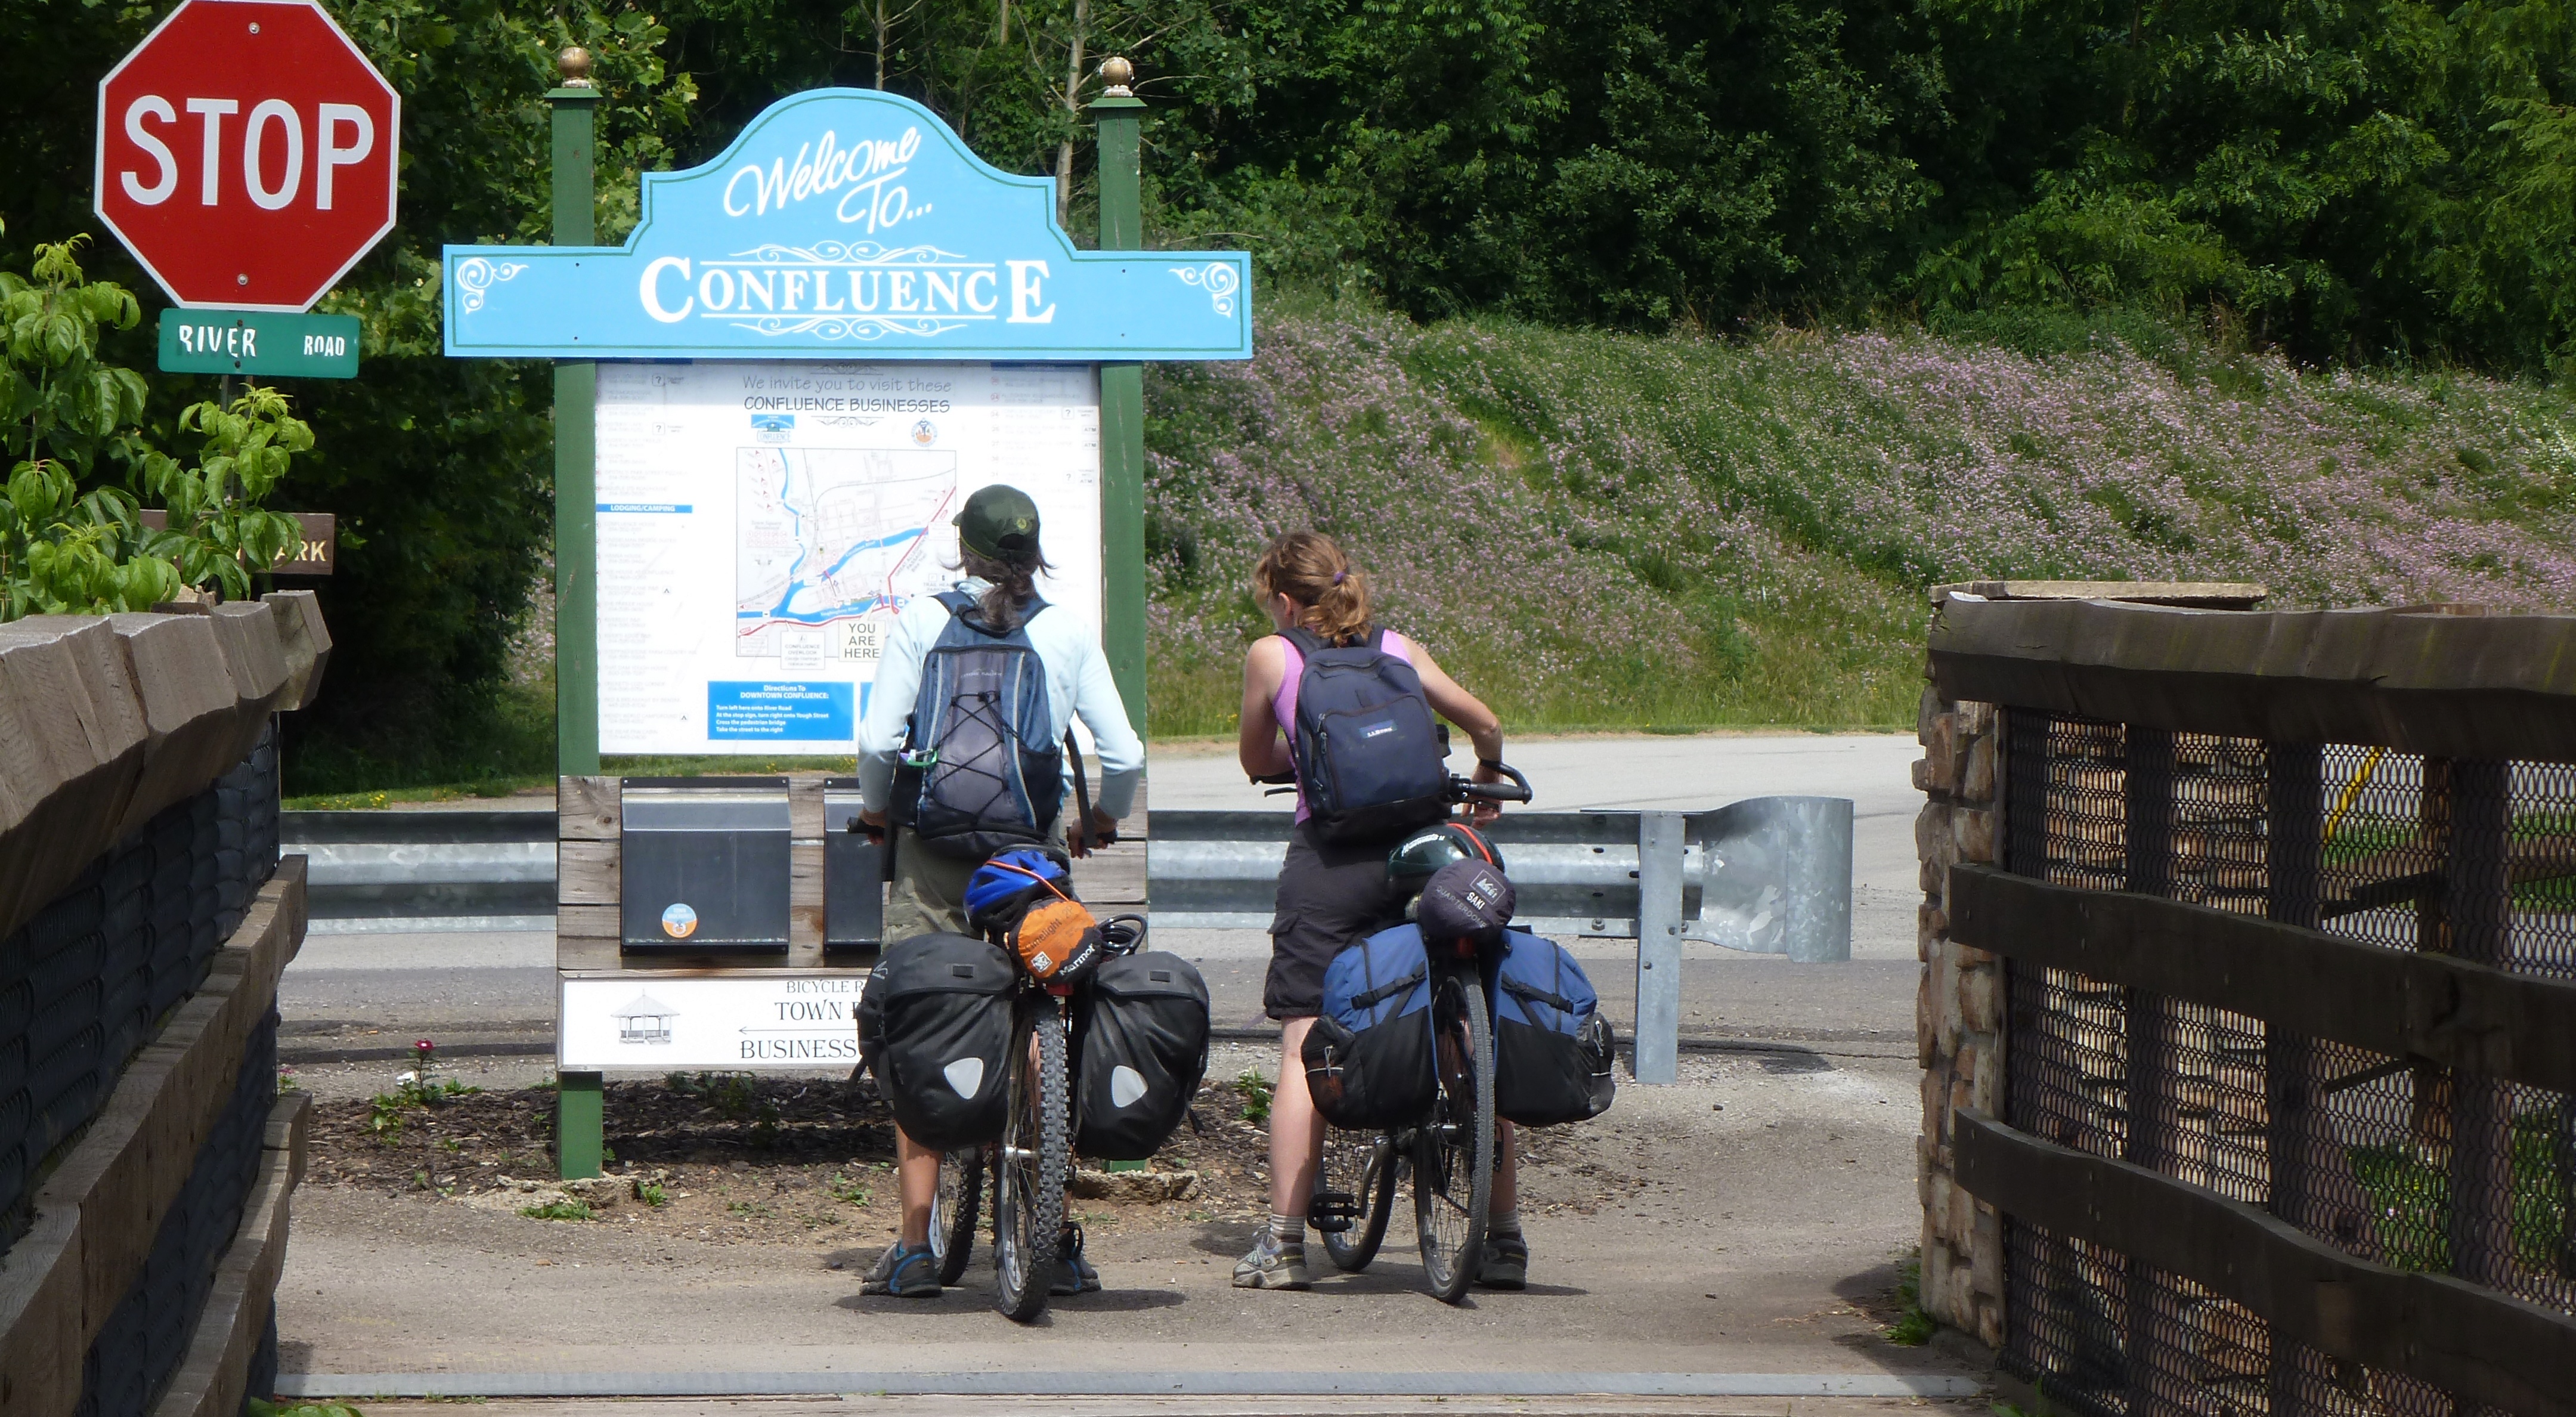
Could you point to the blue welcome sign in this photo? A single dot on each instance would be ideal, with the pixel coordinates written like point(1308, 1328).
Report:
point(846, 224)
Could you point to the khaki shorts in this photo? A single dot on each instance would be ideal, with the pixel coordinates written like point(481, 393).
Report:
point(929, 892)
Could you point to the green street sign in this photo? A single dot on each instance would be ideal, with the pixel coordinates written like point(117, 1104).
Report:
point(284, 346)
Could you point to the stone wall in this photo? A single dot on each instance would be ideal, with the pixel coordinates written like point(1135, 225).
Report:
point(1958, 1012)
point(144, 920)
point(105, 721)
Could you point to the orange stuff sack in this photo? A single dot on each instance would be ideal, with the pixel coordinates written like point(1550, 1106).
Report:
point(1057, 941)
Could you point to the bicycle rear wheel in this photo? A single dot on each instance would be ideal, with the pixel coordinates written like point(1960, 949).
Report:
point(953, 1211)
point(1034, 1161)
point(1453, 1165)
point(1359, 1173)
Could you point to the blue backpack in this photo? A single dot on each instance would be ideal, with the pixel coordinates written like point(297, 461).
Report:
point(1553, 1051)
point(1368, 1057)
point(981, 770)
point(1368, 756)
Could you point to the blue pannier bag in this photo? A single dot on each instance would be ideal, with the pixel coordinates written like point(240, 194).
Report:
point(1552, 1049)
point(1368, 756)
point(1368, 1057)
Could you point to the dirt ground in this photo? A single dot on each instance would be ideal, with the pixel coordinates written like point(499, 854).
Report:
point(732, 1158)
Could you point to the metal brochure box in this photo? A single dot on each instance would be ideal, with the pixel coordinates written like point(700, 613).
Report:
point(703, 866)
point(854, 875)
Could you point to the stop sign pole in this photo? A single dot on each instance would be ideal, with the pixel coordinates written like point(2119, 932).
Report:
point(248, 155)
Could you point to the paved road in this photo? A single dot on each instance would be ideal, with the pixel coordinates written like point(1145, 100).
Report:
point(378, 992)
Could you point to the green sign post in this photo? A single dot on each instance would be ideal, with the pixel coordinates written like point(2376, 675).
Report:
point(1119, 115)
point(263, 342)
point(578, 1120)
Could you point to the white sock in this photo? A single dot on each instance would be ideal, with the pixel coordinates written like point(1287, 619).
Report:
point(1503, 1222)
point(1286, 1230)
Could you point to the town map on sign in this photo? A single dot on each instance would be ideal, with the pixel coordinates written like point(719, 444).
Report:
point(831, 542)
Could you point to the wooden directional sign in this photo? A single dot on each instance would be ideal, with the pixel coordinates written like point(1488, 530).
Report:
point(247, 153)
point(315, 553)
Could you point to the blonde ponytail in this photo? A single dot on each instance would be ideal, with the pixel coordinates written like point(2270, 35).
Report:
point(1308, 568)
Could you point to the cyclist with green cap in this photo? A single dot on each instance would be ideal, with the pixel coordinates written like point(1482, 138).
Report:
point(999, 556)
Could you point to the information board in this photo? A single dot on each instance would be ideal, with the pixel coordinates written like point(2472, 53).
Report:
point(762, 523)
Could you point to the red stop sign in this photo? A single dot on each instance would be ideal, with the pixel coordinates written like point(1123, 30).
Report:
point(247, 153)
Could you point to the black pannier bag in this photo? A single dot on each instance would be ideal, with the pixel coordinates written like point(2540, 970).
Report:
point(1552, 1048)
point(1141, 1035)
point(1368, 1056)
point(935, 1027)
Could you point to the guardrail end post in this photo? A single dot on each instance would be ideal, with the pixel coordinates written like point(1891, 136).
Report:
point(1659, 947)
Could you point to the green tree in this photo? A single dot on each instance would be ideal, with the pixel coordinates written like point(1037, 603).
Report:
point(73, 542)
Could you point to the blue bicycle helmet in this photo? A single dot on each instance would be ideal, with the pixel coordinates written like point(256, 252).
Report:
point(1002, 889)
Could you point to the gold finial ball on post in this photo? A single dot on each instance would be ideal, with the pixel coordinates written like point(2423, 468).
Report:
point(574, 65)
point(1116, 72)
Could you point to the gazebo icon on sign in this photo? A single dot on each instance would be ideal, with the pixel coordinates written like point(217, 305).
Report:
point(646, 1020)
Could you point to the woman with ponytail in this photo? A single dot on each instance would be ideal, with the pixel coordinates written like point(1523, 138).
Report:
point(1331, 894)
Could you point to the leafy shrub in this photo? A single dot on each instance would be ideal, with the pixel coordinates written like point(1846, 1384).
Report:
point(70, 540)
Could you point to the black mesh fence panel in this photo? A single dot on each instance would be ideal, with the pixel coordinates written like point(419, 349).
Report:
point(2395, 1160)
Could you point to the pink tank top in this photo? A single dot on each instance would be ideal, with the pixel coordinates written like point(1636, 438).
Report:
point(1283, 705)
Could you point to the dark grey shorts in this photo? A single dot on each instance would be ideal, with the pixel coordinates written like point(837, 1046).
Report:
point(1330, 897)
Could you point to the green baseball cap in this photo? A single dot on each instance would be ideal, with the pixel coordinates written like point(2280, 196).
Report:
point(1000, 522)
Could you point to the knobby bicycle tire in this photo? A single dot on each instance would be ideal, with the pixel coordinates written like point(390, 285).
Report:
point(1373, 1186)
point(954, 1211)
point(1033, 1164)
point(1453, 1168)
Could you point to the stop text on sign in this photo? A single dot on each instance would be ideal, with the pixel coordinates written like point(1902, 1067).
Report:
point(247, 154)
point(270, 148)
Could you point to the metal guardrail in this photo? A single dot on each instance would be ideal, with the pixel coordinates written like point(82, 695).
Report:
point(1767, 875)
point(428, 870)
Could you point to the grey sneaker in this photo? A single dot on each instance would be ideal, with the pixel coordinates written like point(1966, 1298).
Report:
point(1505, 1264)
point(903, 1273)
point(1272, 1265)
point(1073, 1273)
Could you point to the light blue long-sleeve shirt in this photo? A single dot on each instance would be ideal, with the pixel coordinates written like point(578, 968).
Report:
point(1078, 686)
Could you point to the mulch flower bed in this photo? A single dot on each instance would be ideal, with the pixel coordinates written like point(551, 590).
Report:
point(722, 1156)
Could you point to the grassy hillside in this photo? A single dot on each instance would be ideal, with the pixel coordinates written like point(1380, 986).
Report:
point(1599, 530)
point(1608, 531)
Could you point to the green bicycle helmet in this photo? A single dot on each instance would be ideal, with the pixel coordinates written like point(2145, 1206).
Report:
point(1419, 856)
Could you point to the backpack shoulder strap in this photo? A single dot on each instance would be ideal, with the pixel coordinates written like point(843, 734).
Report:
point(1308, 643)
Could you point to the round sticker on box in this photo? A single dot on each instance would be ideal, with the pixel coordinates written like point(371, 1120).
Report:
point(679, 922)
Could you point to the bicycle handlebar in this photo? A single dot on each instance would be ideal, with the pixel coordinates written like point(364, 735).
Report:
point(1461, 789)
point(1468, 790)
